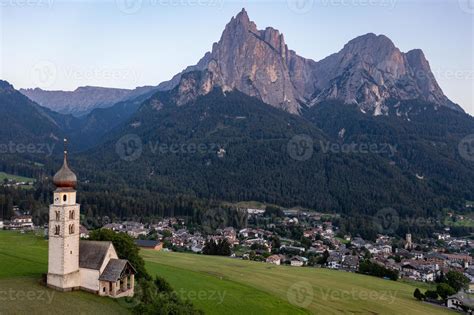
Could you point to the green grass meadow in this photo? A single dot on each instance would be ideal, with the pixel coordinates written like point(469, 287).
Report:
point(23, 259)
point(311, 290)
point(216, 285)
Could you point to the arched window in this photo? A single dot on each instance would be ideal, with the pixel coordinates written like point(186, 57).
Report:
point(71, 215)
point(58, 215)
point(64, 198)
point(71, 229)
point(57, 229)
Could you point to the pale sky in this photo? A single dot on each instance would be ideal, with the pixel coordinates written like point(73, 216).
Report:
point(63, 44)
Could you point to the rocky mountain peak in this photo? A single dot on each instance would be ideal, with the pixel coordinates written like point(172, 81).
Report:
point(246, 59)
point(368, 71)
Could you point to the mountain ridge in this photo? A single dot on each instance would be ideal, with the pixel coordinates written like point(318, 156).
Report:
point(369, 71)
point(83, 99)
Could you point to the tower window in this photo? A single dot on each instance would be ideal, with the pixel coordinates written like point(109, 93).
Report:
point(58, 215)
point(71, 215)
point(64, 198)
point(71, 229)
point(57, 229)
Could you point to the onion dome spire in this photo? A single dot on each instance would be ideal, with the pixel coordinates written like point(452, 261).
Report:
point(65, 178)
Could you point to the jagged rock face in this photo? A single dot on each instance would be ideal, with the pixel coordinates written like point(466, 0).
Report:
point(368, 71)
point(246, 59)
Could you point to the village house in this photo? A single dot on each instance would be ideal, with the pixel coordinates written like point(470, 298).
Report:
point(298, 261)
point(21, 222)
point(149, 244)
point(83, 232)
point(461, 302)
point(274, 259)
point(350, 262)
point(334, 260)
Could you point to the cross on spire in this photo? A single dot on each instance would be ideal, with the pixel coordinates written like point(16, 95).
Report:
point(65, 149)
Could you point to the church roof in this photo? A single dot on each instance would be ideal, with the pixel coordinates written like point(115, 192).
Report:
point(114, 270)
point(93, 253)
point(65, 178)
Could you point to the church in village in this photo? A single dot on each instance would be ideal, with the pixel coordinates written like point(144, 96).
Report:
point(75, 264)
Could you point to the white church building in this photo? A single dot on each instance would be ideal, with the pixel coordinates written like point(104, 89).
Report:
point(75, 264)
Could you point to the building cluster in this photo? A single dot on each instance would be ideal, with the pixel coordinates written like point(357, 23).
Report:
point(20, 221)
point(10, 182)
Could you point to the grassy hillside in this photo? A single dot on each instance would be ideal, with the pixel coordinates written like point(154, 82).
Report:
point(320, 291)
point(4, 175)
point(216, 285)
point(23, 258)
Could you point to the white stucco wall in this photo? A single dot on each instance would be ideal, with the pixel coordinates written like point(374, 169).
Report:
point(89, 279)
point(111, 254)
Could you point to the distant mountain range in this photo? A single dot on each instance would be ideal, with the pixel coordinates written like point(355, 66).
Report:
point(226, 128)
point(84, 99)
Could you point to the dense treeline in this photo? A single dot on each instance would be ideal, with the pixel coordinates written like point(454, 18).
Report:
point(369, 268)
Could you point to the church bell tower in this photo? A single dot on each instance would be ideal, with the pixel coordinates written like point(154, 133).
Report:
point(63, 247)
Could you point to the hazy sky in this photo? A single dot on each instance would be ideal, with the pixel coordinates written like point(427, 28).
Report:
point(63, 44)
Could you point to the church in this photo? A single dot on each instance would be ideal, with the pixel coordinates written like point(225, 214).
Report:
point(75, 264)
